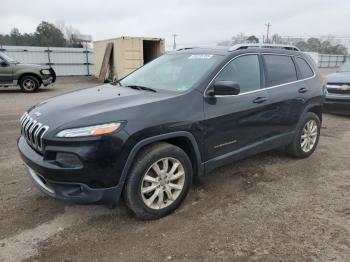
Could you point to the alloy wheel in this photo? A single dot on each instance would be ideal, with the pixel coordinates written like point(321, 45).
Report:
point(309, 136)
point(163, 183)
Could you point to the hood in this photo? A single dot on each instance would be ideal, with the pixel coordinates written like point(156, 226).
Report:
point(339, 77)
point(91, 106)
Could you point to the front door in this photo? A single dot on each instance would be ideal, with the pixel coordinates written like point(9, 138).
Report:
point(6, 72)
point(236, 123)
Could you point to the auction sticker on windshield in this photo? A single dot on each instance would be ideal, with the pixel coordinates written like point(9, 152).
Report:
point(200, 56)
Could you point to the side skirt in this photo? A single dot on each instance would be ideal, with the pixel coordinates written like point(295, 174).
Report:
point(249, 150)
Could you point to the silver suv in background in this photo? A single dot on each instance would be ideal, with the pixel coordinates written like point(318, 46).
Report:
point(338, 91)
point(28, 76)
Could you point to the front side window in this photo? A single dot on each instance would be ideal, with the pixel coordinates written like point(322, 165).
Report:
point(7, 58)
point(174, 72)
point(304, 68)
point(280, 69)
point(244, 70)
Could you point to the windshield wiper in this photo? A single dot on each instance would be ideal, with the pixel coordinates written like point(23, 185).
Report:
point(115, 82)
point(141, 88)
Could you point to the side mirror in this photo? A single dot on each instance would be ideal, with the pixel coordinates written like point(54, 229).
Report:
point(3, 64)
point(224, 88)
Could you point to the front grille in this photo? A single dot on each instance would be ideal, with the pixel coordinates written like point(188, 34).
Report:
point(338, 91)
point(338, 88)
point(33, 131)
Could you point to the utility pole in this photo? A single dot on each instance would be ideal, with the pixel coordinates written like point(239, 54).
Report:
point(268, 25)
point(174, 45)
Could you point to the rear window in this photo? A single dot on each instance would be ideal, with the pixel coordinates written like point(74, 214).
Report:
point(304, 68)
point(280, 69)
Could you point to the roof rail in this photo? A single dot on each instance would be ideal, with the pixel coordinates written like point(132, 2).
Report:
point(257, 45)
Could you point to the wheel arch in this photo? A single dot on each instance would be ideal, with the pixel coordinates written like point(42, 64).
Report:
point(316, 109)
point(29, 74)
point(182, 139)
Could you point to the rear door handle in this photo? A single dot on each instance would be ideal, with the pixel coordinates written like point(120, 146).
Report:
point(302, 90)
point(259, 100)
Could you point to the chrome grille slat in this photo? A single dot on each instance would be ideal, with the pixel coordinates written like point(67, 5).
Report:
point(33, 131)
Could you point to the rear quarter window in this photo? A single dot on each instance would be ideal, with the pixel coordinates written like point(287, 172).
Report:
point(280, 69)
point(304, 68)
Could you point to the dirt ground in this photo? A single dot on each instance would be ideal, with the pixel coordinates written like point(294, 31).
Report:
point(266, 208)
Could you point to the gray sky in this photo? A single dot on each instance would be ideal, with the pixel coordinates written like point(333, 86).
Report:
point(197, 22)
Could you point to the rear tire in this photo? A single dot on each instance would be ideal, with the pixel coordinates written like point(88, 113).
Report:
point(306, 137)
point(29, 84)
point(158, 181)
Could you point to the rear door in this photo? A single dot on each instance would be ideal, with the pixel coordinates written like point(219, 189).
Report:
point(285, 91)
point(6, 72)
point(306, 74)
point(236, 122)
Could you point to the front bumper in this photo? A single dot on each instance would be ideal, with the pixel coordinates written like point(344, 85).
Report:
point(96, 181)
point(336, 103)
point(76, 193)
point(47, 81)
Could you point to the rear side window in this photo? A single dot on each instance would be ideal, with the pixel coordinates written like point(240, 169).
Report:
point(244, 70)
point(304, 68)
point(280, 69)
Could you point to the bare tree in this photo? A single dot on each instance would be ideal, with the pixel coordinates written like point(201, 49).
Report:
point(239, 39)
point(68, 31)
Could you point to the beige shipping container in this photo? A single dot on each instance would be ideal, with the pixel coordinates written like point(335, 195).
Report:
point(129, 53)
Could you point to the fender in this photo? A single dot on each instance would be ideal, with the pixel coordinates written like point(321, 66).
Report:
point(315, 102)
point(148, 141)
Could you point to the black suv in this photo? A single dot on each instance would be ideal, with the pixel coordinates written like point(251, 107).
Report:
point(178, 117)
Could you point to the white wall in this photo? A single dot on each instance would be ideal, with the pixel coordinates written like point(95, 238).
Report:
point(65, 61)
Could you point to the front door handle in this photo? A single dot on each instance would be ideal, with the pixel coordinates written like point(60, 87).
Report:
point(259, 100)
point(302, 90)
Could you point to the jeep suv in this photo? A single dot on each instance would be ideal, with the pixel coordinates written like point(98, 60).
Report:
point(29, 77)
point(147, 136)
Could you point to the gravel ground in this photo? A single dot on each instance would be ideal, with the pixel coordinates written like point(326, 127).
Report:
point(266, 208)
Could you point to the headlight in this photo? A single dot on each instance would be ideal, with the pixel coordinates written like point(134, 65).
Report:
point(45, 72)
point(89, 130)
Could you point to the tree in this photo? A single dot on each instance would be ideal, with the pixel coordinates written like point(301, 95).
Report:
point(314, 44)
point(239, 39)
point(49, 35)
point(252, 39)
point(277, 39)
point(325, 47)
point(302, 45)
point(68, 32)
point(15, 36)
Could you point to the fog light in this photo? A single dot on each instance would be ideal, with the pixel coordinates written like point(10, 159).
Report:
point(68, 160)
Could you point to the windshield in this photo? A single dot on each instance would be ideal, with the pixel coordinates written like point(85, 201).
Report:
point(7, 58)
point(345, 67)
point(175, 72)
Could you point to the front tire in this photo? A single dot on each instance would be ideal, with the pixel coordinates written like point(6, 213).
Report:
point(159, 181)
point(29, 84)
point(306, 137)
